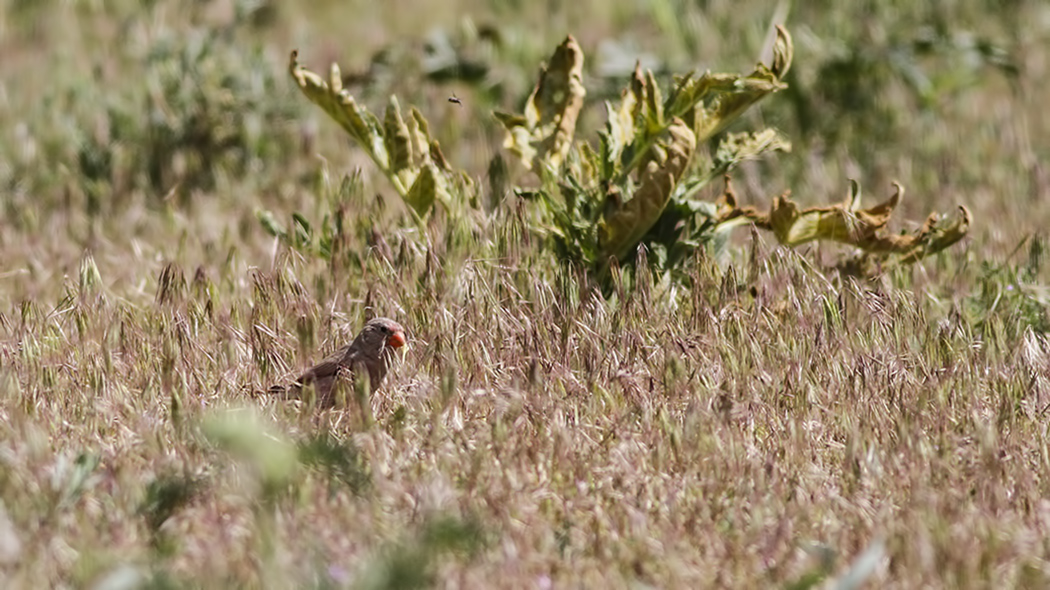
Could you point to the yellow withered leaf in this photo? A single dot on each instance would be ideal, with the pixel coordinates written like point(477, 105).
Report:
point(849, 224)
point(737, 147)
point(544, 134)
point(783, 53)
point(438, 157)
point(397, 138)
point(713, 101)
point(620, 126)
point(400, 146)
point(654, 104)
point(342, 108)
point(731, 98)
point(624, 223)
point(519, 137)
point(933, 237)
point(844, 223)
point(419, 135)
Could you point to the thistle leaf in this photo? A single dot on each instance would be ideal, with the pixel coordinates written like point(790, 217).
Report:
point(402, 148)
point(730, 99)
point(738, 147)
point(735, 148)
point(620, 125)
point(707, 104)
point(543, 135)
point(713, 101)
point(343, 109)
point(397, 138)
point(631, 101)
point(624, 223)
point(419, 135)
point(783, 53)
point(849, 224)
point(519, 137)
point(654, 105)
point(840, 223)
point(428, 187)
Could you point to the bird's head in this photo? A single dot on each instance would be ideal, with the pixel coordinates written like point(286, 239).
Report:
point(379, 335)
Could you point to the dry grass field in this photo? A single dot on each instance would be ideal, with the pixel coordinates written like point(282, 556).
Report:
point(756, 421)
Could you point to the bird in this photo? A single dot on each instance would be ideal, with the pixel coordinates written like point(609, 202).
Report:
point(370, 351)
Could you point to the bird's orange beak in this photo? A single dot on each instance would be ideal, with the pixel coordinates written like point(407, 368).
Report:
point(396, 340)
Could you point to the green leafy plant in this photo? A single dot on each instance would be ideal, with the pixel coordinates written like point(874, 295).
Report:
point(166, 495)
point(638, 186)
point(191, 108)
point(247, 438)
point(326, 238)
point(340, 460)
point(602, 202)
point(400, 146)
point(1012, 295)
point(411, 563)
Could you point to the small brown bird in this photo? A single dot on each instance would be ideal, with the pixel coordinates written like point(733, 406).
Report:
point(370, 350)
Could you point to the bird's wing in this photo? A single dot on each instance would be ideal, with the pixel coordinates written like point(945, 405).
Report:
point(364, 364)
point(326, 368)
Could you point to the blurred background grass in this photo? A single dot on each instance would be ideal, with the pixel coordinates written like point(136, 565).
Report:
point(112, 110)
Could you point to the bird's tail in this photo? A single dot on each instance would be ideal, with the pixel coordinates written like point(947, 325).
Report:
point(284, 391)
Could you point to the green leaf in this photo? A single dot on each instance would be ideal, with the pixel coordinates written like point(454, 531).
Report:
point(166, 495)
point(428, 188)
point(270, 224)
point(303, 229)
point(396, 138)
point(247, 437)
point(340, 460)
point(75, 478)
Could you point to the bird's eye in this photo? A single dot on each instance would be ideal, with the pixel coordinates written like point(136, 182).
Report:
point(385, 329)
